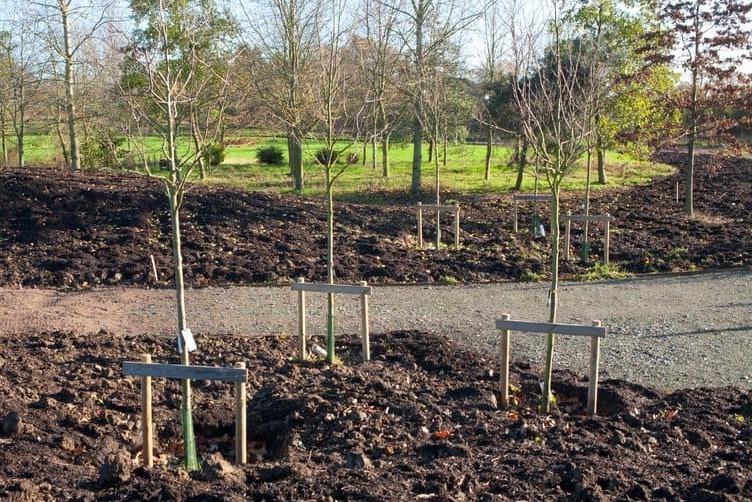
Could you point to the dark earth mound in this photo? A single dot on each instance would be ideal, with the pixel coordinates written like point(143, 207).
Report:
point(419, 422)
point(70, 232)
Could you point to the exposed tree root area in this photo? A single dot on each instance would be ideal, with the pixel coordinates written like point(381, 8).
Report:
point(419, 422)
point(63, 231)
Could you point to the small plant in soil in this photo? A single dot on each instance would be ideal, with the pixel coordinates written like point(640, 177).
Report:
point(448, 280)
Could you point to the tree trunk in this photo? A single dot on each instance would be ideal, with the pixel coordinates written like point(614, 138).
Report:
point(489, 154)
point(330, 354)
point(3, 135)
point(20, 137)
point(385, 156)
point(191, 462)
point(296, 163)
point(60, 138)
point(601, 154)
point(438, 201)
point(417, 157)
point(373, 153)
point(587, 190)
point(431, 145)
point(521, 162)
point(365, 151)
point(75, 154)
point(689, 206)
point(553, 297)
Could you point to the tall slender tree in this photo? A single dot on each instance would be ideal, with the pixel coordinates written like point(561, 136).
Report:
point(712, 39)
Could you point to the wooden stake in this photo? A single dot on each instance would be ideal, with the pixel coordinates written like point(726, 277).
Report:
point(146, 417)
point(677, 191)
point(595, 347)
point(567, 234)
point(608, 240)
point(302, 322)
point(154, 269)
point(420, 225)
point(514, 227)
point(456, 225)
point(364, 331)
point(241, 440)
point(505, 364)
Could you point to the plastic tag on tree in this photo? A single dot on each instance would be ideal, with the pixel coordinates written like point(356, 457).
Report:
point(541, 230)
point(186, 337)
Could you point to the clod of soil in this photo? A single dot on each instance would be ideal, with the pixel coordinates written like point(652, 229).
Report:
point(419, 422)
point(94, 229)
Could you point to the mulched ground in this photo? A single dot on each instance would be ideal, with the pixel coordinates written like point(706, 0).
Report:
point(419, 422)
point(72, 232)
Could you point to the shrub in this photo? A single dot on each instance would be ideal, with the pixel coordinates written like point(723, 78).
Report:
point(327, 157)
point(214, 154)
point(270, 155)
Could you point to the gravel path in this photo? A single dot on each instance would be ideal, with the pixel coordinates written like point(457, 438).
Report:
point(668, 332)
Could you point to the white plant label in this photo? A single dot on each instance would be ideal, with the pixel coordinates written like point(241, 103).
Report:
point(186, 336)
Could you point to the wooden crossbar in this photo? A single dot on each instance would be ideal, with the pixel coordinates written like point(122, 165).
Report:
point(590, 217)
point(455, 208)
point(595, 332)
point(181, 372)
point(363, 290)
point(521, 197)
point(146, 370)
point(340, 289)
point(440, 207)
point(545, 327)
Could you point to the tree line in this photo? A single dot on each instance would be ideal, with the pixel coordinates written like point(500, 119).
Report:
point(367, 72)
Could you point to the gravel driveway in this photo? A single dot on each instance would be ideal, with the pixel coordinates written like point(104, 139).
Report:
point(668, 332)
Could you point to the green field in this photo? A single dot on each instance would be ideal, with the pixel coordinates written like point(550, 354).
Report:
point(464, 172)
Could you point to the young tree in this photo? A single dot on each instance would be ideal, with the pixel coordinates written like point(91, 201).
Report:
point(493, 38)
point(711, 38)
point(164, 75)
point(555, 117)
point(341, 119)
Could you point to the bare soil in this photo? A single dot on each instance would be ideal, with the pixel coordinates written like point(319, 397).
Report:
point(65, 231)
point(419, 422)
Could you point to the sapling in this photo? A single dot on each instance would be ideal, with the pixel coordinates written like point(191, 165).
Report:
point(163, 77)
point(554, 112)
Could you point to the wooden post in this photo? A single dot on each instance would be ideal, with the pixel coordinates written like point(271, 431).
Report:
point(595, 347)
point(607, 242)
point(567, 235)
point(420, 225)
point(364, 333)
point(456, 225)
point(146, 416)
point(505, 364)
point(302, 322)
point(241, 441)
point(677, 191)
point(514, 203)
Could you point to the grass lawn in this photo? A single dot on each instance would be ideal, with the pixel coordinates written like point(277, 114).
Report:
point(464, 172)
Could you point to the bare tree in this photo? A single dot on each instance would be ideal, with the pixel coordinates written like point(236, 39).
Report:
point(713, 38)
point(555, 112)
point(23, 69)
point(426, 28)
point(164, 75)
point(285, 34)
point(380, 59)
point(66, 41)
point(341, 119)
